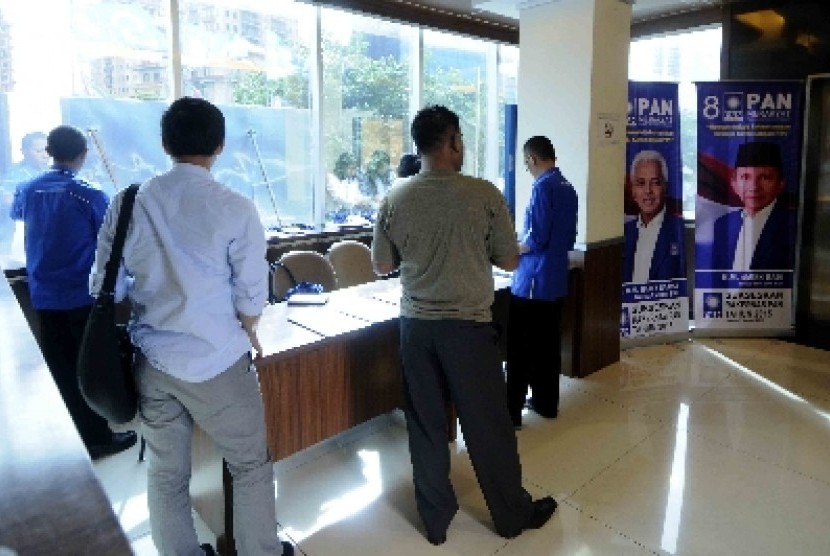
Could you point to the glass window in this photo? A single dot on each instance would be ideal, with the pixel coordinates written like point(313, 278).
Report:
point(252, 59)
point(365, 110)
point(455, 75)
point(685, 58)
point(508, 71)
point(116, 70)
point(99, 65)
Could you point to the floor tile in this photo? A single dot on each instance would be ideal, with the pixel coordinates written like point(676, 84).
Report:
point(713, 446)
point(681, 494)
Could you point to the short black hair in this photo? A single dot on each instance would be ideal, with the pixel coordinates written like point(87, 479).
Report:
point(432, 126)
point(65, 143)
point(409, 165)
point(541, 147)
point(192, 126)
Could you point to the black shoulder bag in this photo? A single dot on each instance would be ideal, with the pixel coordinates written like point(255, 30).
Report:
point(105, 359)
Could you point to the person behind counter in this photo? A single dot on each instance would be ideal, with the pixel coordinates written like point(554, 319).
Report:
point(409, 165)
point(445, 230)
point(195, 256)
point(35, 161)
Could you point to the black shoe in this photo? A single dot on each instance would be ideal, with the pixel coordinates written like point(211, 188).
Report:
point(539, 515)
point(120, 441)
point(208, 549)
point(542, 510)
point(542, 412)
point(437, 539)
point(287, 548)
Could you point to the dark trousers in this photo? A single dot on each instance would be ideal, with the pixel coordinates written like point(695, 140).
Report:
point(454, 360)
point(60, 339)
point(534, 355)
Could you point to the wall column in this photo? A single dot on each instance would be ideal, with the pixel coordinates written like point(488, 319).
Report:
point(573, 88)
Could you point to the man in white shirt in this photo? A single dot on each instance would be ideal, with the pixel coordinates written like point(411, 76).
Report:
point(195, 273)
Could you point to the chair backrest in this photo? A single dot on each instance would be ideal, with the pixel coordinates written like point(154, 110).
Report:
point(352, 262)
point(304, 266)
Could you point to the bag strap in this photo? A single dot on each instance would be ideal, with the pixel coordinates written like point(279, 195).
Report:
point(124, 216)
point(277, 264)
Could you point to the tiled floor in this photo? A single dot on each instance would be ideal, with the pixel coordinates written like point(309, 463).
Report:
point(709, 447)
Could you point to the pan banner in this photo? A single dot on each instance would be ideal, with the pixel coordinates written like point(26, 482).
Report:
point(655, 301)
point(749, 152)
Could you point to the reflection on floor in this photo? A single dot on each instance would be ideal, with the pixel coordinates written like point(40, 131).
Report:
point(714, 446)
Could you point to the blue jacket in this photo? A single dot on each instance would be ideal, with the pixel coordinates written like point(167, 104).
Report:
point(775, 249)
point(62, 215)
point(549, 230)
point(669, 257)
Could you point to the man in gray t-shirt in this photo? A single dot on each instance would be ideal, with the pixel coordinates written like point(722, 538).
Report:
point(444, 231)
point(446, 263)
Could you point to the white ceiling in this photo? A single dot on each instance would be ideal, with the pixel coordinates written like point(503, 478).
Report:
point(509, 9)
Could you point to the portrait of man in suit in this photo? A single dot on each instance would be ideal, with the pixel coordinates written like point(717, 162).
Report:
point(654, 240)
point(760, 236)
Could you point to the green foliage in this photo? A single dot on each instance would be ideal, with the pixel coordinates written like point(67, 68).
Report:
point(449, 87)
point(371, 87)
point(256, 88)
point(379, 86)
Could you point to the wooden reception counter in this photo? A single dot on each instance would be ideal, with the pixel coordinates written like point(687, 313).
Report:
point(50, 499)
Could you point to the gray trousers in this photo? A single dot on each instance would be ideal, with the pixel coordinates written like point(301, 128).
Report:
point(458, 361)
point(229, 409)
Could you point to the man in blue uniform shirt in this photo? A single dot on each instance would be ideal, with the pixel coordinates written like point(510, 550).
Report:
point(540, 284)
point(62, 215)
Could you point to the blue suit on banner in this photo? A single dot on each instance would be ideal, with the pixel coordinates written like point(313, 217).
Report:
point(668, 259)
point(761, 236)
point(774, 250)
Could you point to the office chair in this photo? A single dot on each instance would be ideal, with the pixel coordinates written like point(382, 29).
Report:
point(352, 262)
point(301, 266)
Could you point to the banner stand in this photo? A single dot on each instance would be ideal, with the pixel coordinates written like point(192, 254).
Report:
point(655, 296)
